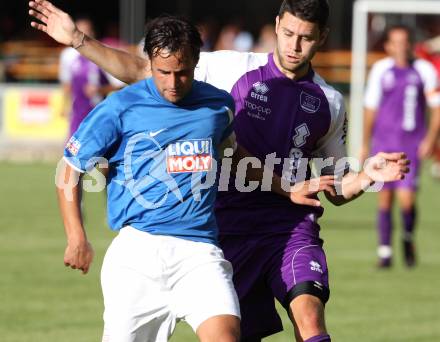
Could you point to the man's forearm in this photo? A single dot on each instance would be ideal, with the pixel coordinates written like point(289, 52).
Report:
point(70, 206)
point(79, 252)
point(122, 65)
point(351, 187)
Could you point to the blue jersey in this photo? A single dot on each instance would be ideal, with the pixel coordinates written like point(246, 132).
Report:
point(162, 157)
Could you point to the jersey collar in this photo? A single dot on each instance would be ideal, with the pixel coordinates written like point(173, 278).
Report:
point(277, 72)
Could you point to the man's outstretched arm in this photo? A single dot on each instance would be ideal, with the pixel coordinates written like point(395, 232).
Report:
point(79, 252)
point(383, 167)
point(59, 25)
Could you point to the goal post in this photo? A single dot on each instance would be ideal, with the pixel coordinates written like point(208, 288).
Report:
point(361, 10)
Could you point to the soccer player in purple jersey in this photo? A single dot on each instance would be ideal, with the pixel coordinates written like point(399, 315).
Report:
point(83, 83)
point(81, 80)
point(399, 90)
point(283, 109)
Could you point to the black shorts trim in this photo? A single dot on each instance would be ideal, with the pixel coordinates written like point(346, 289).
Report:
point(308, 287)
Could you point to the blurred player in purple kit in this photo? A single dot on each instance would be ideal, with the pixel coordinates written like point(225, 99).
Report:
point(399, 90)
point(283, 108)
point(84, 84)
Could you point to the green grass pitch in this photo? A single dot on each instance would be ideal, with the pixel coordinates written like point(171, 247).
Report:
point(41, 300)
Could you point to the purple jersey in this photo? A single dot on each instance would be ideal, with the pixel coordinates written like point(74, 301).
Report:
point(82, 73)
point(399, 96)
point(274, 114)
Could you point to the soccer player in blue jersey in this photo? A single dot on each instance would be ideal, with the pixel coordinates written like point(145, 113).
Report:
point(161, 137)
point(282, 107)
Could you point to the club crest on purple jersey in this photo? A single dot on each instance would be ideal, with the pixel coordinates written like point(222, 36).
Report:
point(309, 103)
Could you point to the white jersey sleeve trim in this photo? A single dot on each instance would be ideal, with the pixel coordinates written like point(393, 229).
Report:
point(373, 93)
point(66, 159)
point(230, 115)
point(333, 144)
point(231, 140)
point(222, 69)
point(430, 81)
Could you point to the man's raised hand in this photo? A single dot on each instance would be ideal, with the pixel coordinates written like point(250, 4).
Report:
point(56, 23)
point(387, 167)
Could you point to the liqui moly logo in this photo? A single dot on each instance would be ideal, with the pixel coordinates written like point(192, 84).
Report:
point(189, 156)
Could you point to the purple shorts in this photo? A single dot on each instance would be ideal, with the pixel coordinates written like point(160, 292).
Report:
point(277, 265)
point(411, 179)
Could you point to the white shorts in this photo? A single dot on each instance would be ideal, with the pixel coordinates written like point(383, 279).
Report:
point(150, 282)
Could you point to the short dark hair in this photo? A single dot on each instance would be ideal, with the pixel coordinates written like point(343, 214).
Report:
point(315, 11)
point(173, 34)
point(397, 27)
